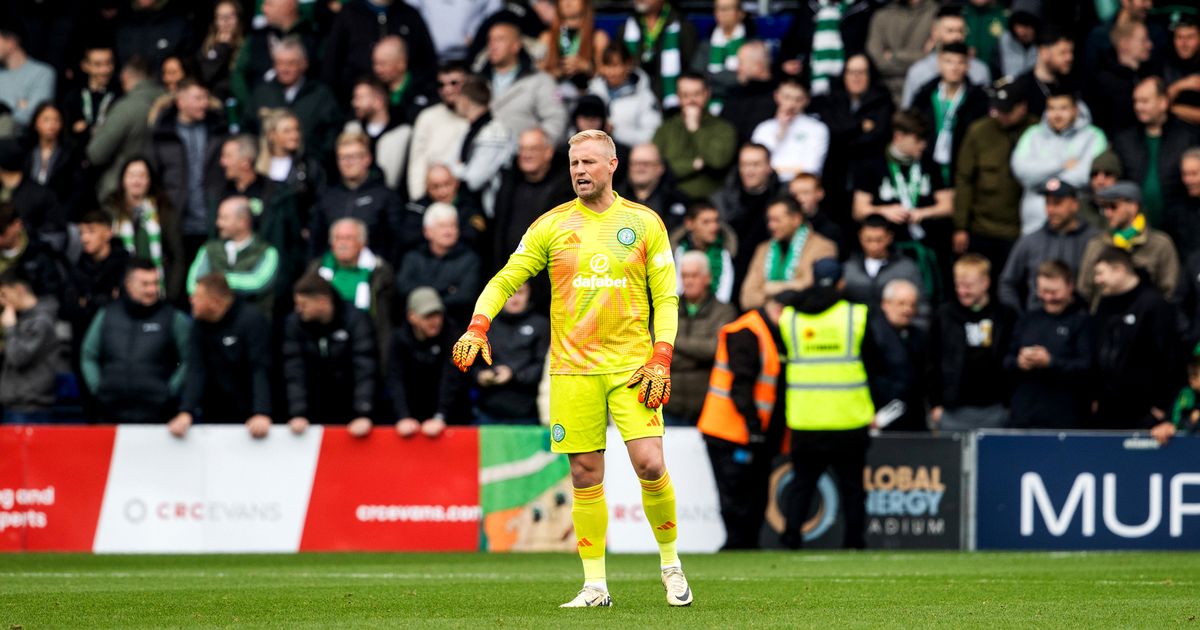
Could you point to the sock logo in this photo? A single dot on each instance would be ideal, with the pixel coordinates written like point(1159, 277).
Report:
point(558, 432)
point(666, 526)
point(583, 542)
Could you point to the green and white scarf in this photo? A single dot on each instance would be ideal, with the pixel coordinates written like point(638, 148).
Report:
point(828, 50)
point(141, 234)
point(945, 111)
point(716, 258)
point(781, 268)
point(353, 284)
point(669, 61)
point(722, 57)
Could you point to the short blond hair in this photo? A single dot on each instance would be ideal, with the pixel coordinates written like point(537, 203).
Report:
point(353, 137)
point(973, 262)
point(598, 136)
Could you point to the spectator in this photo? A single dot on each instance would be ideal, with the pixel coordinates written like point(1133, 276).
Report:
point(282, 159)
point(1051, 73)
point(1182, 70)
point(1051, 355)
point(228, 375)
point(1106, 170)
point(360, 194)
point(453, 24)
point(752, 99)
point(185, 149)
point(508, 387)
point(1185, 414)
point(153, 30)
point(841, 370)
point(742, 405)
point(219, 51)
point(798, 142)
point(522, 97)
point(985, 22)
point(662, 40)
point(969, 338)
point(247, 262)
point(95, 279)
point(1062, 238)
point(531, 16)
point(717, 56)
point(273, 207)
point(441, 186)
point(405, 98)
point(329, 356)
point(29, 257)
point(897, 38)
point(1184, 215)
point(952, 104)
point(867, 272)
point(124, 132)
point(424, 386)
point(358, 26)
point(697, 146)
point(55, 161)
point(701, 317)
point(858, 111)
point(785, 262)
point(625, 89)
point(1117, 75)
point(486, 147)
point(949, 28)
point(313, 103)
point(1017, 50)
point(147, 225)
point(822, 37)
point(280, 20)
point(86, 106)
point(444, 264)
point(807, 190)
point(539, 182)
point(649, 184)
point(438, 131)
point(904, 186)
point(31, 350)
point(573, 46)
point(25, 82)
point(388, 134)
point(1150, 150)
point(1136, 347)
point(135, 353)
point(900, 305)
point(1061, 147)
point(704, 232)
point(45, 219)
point(987, 199)
point(1152, 251)
point(359, 276)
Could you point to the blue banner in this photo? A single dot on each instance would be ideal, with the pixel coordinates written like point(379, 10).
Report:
point(1087, 491)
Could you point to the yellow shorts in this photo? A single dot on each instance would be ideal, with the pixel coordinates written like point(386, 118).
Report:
point(580, 406)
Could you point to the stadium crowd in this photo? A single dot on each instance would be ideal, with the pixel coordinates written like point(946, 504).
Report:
point(284, 211)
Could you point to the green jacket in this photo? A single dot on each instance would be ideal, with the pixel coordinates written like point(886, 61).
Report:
point(987, 198)
point(123, 134)
point(715, 142)
point(252, 275)
point(277, 220)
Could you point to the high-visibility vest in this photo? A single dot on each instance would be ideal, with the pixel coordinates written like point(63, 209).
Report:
point(720, 418)
point(826, 380)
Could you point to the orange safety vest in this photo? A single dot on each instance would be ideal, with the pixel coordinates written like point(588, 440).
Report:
point(720, 418)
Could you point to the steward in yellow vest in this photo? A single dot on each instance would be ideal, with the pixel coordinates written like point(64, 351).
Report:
point(840, 362)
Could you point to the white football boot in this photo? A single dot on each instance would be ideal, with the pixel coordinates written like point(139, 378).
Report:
point(678, 591)
point(589, 596)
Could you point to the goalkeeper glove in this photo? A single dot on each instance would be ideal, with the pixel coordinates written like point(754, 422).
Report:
point(473, 342)
point(654, 377)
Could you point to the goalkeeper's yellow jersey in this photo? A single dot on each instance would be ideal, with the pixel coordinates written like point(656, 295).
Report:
point(606, 271)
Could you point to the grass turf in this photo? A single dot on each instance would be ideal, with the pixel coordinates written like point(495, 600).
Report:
point(733, 590)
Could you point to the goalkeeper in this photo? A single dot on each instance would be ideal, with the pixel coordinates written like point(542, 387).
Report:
point(609, 263)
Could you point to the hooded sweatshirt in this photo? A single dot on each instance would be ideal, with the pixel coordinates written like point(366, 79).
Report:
point(1042, 153)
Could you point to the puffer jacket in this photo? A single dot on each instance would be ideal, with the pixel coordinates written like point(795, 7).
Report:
point(632, 108)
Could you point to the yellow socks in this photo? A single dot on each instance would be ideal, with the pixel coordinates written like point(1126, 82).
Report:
point(658, 502)
point(589, 513)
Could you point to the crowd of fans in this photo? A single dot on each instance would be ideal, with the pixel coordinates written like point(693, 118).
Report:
point(284, 210)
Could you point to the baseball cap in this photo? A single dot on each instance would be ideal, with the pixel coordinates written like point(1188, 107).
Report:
point(1006, 94)
point(424, 301)
point(1123, 190)
point(827, 272)
point(1055, 187)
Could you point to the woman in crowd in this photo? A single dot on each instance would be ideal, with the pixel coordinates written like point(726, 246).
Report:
point(215, 58)
point(573, 46)
point(146, 224)
point(281, 158)
point(55, 160)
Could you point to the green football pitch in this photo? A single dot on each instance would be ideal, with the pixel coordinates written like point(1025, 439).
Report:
point(733, 590)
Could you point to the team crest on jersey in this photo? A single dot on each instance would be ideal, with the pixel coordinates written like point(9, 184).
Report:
point(626, 236)
point(558, 433)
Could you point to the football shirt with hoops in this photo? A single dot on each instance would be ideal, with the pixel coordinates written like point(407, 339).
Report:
point(606, 271)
